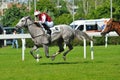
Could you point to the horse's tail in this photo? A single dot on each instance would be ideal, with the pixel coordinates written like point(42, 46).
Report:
point(80, 35)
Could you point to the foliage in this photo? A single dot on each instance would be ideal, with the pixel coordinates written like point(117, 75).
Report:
point(50, 7)
point(63, 19)
point(116, 8)
point(103, 14)
point(44, 6)
point(12, 15)
point(29, 43)
point(94, 9)
point(103, 11)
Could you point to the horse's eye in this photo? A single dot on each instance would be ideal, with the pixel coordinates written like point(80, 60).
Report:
point(22, 20)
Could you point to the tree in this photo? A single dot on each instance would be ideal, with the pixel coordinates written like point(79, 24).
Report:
point(63, 19)
point(103, 10)
point(44, 6)
point(116, 9)
point(12, 15)
point(51, 8)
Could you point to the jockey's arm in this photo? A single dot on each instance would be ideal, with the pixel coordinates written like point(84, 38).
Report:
point(41, 21)
point(43, 18)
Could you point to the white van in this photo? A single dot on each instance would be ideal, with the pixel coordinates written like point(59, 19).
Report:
point(88, 25)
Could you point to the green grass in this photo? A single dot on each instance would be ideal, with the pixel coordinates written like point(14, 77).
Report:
point(105, 66)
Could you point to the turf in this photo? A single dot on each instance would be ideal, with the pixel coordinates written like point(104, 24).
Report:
point(105, 66)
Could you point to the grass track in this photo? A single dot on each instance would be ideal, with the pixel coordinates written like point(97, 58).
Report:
point(105, 66)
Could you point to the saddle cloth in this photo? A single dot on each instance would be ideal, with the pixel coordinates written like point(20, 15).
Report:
point(55, 29)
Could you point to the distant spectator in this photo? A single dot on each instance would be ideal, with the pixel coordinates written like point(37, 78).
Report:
point(14, 42)
point(103, 26)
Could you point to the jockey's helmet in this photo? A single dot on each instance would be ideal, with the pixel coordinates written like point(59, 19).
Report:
point(36, 13)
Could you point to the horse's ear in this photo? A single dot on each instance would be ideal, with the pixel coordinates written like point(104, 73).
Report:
point(112, 19)
point(28, 17)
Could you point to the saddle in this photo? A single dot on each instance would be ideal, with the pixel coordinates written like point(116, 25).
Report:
point(44, 26)
point(49, 30)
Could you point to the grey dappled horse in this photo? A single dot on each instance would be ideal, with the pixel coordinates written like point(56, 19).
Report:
point(39, 36)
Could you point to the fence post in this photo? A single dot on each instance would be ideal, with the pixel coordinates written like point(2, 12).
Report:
point(106, 40)
point(92, 50)
point(4, 32)
point(84, 48)
point(23, 49)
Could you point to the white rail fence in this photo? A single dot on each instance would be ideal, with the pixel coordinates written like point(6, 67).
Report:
point(17, 36)
point(24, 36)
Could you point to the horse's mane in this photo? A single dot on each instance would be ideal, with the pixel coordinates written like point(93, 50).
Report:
point(37, 24)
point(116, 22)
point(30, 18)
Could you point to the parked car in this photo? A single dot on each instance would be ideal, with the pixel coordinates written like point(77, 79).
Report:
point(1, 32)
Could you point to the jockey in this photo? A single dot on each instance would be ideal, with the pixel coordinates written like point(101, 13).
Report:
point(103, 26)
point(45, 20)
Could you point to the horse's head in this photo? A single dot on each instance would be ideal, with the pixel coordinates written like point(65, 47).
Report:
point(107, 28)
point(22, 22)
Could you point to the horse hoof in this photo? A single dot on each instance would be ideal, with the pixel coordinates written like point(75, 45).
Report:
point(38, 57)
point(64, 58)
point(52, 58)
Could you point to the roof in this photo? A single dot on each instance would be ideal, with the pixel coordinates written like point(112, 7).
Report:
point(8, 27)
point(92, 21)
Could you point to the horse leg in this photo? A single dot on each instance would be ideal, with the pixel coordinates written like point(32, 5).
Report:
point(32, 50)
point(61, 49)
point(46, 49)
point(66, 52)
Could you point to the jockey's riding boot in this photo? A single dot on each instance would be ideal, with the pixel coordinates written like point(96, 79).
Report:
point(47, 28)
point(48, 32)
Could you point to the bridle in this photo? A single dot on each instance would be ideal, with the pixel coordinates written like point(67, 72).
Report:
point(26, 24)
